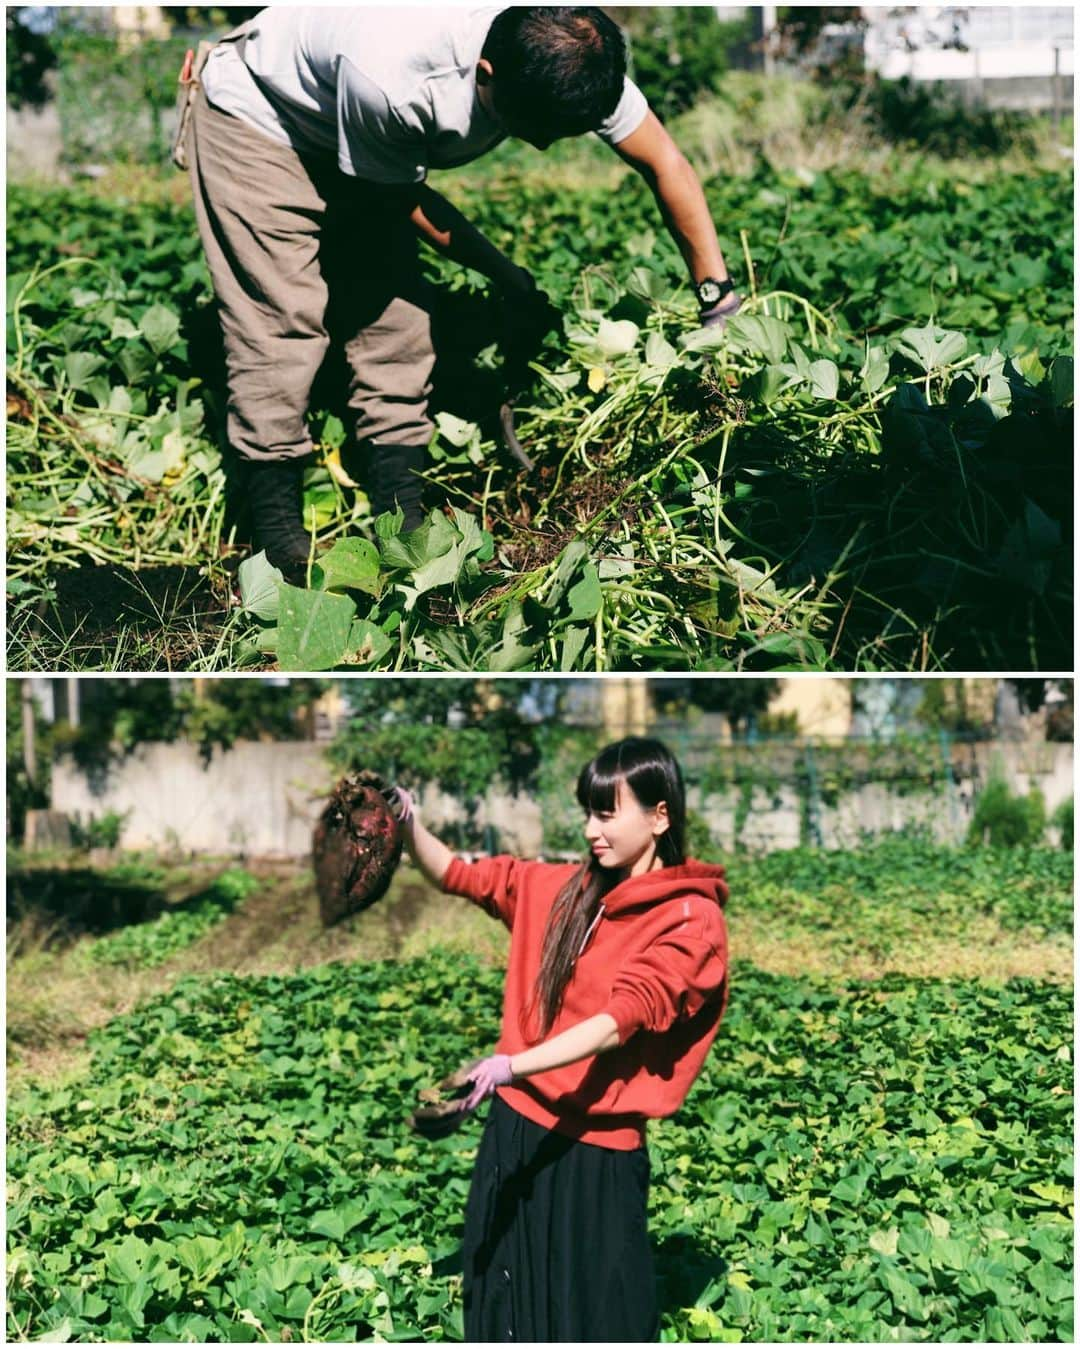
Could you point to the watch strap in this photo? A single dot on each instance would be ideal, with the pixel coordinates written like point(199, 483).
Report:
point(725, 287)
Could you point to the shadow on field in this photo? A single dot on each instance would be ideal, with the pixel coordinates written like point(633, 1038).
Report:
point(49, 907)
point(684, 1269)
point(53, 907)
point(152, 617)
point(952, 546)
point(464, 323)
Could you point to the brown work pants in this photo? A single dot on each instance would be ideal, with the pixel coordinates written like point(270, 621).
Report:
point(297, 250)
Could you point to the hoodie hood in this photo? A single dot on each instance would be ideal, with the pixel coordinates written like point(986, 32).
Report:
point(703, 879)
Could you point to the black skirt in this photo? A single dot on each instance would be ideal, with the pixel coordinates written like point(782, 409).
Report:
point(556, 1247)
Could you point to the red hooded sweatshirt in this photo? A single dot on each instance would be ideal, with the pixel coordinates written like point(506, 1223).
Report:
point(656, 962)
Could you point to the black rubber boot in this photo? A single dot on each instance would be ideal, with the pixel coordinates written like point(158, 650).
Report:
point(275, 493)
point(393, 480)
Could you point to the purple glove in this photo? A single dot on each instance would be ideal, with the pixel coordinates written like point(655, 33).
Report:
point(400, 802)
point(719, 314)
point(486, 1076)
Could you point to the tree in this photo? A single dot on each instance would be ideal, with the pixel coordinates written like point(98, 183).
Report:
point(740, 700)
point(1056, 696)
point(209, 16)
point(30, 57)
point(678, 53)
point(218, 712)
point(118, 714)
point(949, 705)
point(27, 756)
point(464, 734)
point(801, 29)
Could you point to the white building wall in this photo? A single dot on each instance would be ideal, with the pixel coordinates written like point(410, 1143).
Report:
point(1003, 42)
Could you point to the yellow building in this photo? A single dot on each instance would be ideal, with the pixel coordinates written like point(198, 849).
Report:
point(134, 23)
point(626, 706)
point(821, 704)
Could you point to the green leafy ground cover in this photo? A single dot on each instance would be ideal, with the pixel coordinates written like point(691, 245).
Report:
point(889, 889)
point(870, 470)
point(146, 945)
point(858, 1161)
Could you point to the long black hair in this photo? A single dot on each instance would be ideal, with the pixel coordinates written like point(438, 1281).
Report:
point(650, 771)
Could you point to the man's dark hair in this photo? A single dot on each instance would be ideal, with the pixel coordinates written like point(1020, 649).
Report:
point(557, 68)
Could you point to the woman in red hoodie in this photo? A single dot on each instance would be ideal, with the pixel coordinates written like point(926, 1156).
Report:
point(616, 983)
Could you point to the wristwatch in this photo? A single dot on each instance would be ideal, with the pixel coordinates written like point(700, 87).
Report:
point(710, 291)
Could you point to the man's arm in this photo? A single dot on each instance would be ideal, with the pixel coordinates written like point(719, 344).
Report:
point(444, 227)
point(677, 188)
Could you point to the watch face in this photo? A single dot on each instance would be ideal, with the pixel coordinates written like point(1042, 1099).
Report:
point(709, 292)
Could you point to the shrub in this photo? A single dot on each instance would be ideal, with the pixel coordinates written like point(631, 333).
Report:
point(1007, 821)
point(679, 52)
point(113, 99)
point(931, 117)
point(99, 831)
point(699, 840)
point(30, 56)
point(782, 724)
point(1062, 820)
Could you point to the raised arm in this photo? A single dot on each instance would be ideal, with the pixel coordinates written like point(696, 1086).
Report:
point(430, 854)
point(491, 883)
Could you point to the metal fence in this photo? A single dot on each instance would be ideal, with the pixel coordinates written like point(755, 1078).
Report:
point(766, 792)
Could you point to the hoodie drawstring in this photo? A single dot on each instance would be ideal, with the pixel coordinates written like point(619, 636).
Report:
point(589, 931)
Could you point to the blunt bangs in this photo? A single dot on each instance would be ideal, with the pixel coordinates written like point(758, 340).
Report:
point(652, 775)
point(598, 784)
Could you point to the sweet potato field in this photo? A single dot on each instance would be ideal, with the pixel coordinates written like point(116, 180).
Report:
point(858, 1162)
point(869, 469)
point(878, 1159)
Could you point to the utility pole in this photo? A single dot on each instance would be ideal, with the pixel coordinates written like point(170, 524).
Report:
point(1055, 112)
point(29, 727)
point(768, 29)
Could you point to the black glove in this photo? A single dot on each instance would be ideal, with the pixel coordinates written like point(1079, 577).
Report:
point(527, 315)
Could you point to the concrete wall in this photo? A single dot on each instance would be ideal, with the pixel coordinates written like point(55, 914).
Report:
point(255, 799)
point(1027, 766)
point(34, 142)
point(774, 820)
point(262, 800)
